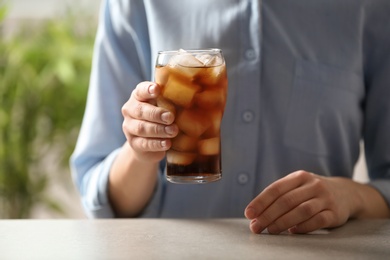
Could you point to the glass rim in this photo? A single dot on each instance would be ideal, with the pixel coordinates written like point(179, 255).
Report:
point(192, 51)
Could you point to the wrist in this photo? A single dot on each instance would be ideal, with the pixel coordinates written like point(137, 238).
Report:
point(351, 196)
point(131, 183)
point(364, 200)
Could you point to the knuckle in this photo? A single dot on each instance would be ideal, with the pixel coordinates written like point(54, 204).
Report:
point(145, 90)
point(137, 90)
point(275, 228)
point(307, 209)
point(143, 144)
point(154, 113)
point(127, 129)
point(319, 185)
point(321, 220)
point(156, 145)
point(274, 189)
point(153, 144)
point(157, 130)
point(133, 143)
point(148, 145)
point(266, 218)
point(331, 203)
point(139, 128)
point(138, 110)
point(280, 224)
point(318, 182)
point(124, 110)
point(124, 127)
point(289, 201)
point(324, 219)
point(302, 174)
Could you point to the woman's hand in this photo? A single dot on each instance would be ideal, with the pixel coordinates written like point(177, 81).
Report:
point(303, 202)
point(148, 128)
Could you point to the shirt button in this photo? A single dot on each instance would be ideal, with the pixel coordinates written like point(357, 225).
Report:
point(250, 54)
point(247, 116)
point(242, 178)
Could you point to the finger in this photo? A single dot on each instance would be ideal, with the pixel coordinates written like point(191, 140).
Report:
point(146, 91)
point(148, 129)
point(318, 221)
point(283, 205)
point(147, 112)
point(274, 191)
point(299, 214)
point(143, 145)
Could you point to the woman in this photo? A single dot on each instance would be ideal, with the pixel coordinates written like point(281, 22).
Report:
point(308, 81)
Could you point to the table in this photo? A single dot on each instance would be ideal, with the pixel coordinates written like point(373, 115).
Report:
point(186, 239)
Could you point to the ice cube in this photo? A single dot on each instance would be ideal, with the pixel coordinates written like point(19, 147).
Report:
point(161, 75)
point(204, 58)
point(209, 146)
point(215, 61)
point(212, 76)
point(186, 64)
point(188, 60)
point(180, 91)
point(214, 129)
point(210, 60)
point(193, 122)
point(184, 143)
point(180, 158)
point(208, 99)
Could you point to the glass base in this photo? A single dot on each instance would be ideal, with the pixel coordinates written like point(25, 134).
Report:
point(181, 179)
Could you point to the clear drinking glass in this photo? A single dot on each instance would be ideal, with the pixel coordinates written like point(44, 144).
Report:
point(194, 88)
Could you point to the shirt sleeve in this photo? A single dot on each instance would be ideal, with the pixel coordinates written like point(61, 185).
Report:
point(121, 60)
point(377, 105)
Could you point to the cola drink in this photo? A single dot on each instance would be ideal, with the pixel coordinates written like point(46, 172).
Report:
point(194, 88)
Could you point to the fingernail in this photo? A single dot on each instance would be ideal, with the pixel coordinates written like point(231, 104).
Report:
point(293, 230)
point(164, 143)
point(167, 117)
point(152, 89)
point(256, 226)
point(169, 129)
point(250, 213)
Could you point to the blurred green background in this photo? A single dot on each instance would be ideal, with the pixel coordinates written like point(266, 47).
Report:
point(45, 62)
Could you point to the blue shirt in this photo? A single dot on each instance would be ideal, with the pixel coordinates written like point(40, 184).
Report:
point(308, 80)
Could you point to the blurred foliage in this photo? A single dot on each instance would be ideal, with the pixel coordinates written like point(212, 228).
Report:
point(44, 75)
